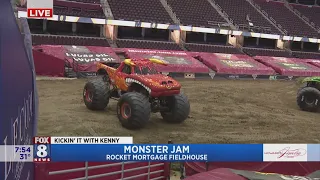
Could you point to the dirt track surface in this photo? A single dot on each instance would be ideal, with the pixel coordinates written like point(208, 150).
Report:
point(222, 111)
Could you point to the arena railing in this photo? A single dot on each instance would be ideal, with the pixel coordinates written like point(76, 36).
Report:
point(162, 169)
point(219, 24)
point(86, 169)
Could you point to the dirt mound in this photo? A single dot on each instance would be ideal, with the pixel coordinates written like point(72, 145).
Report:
point(222, 111)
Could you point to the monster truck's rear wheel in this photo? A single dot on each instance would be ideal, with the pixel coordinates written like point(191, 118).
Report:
point(96, 94)
point(308, 99)
point(179, 109)
point(133, 110)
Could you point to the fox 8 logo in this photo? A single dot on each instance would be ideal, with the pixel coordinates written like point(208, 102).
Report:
point(42, 151)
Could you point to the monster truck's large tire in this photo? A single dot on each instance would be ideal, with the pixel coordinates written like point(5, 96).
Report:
point(96, 94)
point(179, 109)
point(308, 99)
point(133, 110)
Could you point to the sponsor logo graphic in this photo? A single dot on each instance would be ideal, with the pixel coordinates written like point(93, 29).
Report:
point(284, 152)
point(90, 57)
point(288, 153)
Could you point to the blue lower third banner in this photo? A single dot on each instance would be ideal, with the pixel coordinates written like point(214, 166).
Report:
point(157, 152)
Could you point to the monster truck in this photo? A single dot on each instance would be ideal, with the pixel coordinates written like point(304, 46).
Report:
point(308, 97)
point(140, 89)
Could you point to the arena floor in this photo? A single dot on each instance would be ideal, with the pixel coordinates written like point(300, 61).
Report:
point(222, 111)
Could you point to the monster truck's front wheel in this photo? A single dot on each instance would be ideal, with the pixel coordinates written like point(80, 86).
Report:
point(179, 109)
point(133, 110)
point(308, 99)
point(96, 94)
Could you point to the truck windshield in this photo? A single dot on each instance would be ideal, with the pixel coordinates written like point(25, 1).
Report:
point(146, 70)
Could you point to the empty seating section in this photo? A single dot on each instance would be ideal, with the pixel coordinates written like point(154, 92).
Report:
point(195, 12)
point(87, 1)
point(306, 55)
point(143, 10)
point(190, 12)
point(238, 11)
point(78, 9)
point(142, 44)
point(68, 40)
point(294, 25)
point(266, 52)
point(212, 48)
point(311, 12)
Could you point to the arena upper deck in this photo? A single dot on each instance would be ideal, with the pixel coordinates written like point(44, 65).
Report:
point(259, 16)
